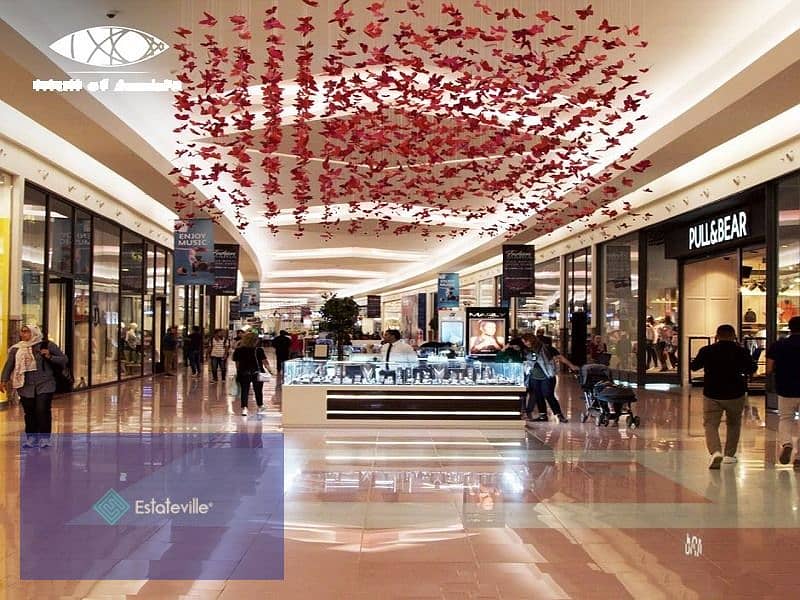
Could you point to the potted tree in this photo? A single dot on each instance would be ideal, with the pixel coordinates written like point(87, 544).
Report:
point(339, 316)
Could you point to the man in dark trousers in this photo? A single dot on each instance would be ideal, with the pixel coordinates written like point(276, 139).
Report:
point(783, 359)
point(281, 343)
point(726, 365)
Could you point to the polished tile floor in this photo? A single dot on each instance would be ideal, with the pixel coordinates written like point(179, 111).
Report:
point(554, 511)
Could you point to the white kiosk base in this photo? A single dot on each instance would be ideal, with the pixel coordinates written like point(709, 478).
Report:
point(482, 406)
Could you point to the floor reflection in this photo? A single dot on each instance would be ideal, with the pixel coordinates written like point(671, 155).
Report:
point(552, 511)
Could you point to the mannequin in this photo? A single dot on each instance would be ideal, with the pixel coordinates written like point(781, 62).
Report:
point(132, 342)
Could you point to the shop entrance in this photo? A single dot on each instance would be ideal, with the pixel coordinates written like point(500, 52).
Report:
point(60, 313)
point(724, 289)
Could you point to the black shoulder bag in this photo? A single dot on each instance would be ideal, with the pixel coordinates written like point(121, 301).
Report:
point(65, 382)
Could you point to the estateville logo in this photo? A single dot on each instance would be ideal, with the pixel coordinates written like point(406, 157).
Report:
point(112, 507)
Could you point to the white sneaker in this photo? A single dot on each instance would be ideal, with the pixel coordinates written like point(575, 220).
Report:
point(45, 443)
point(244, 412)
point(729, 460)
point(262, 410)
point(29, 442)
point(716, 460)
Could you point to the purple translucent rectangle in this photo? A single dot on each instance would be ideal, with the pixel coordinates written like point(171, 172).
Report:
point(155, 506)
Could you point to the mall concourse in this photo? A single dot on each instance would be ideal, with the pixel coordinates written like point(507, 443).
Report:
point(399, 300)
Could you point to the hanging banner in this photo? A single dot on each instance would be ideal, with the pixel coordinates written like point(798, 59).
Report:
point(373, 307)
point(448, 290)
point(618, 267)
point(194, 252)
point(250, 298)
point(226, 264)
point(518, 271)
point(233, 310)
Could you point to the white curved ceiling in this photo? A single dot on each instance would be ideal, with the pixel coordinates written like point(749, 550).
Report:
point(698, 50)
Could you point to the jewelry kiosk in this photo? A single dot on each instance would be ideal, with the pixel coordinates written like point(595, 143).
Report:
point(434, 392)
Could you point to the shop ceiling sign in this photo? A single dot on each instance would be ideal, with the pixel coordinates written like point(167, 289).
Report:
point(104, 47)
point(720, 231)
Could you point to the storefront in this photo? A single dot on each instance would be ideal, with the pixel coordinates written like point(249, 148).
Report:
point(735, 261)
point(99, 291)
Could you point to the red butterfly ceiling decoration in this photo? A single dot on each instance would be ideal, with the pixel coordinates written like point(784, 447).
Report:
point(475, 115)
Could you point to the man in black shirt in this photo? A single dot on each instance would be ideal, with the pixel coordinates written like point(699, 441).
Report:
point(783, 359)
point(281, 344)
point(726, 365)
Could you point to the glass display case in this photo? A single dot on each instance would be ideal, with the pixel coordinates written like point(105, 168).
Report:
point(431, 371)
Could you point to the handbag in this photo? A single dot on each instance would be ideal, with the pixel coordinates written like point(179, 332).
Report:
point(261, 376)
point(65, 382)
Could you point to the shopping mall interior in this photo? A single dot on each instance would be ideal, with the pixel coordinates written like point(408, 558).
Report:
point(399, 298)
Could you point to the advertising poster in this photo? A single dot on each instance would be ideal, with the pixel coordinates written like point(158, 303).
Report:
point(518, 273)
point(448, 290)
point(409, 308)
point(234, 313)
point(194, 252)
point(250, 298)
point(226, 264)
point(373, 307)
point(487, 330)
point(618, 267)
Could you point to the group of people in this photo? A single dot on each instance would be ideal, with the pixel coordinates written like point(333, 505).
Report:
point(661, 343)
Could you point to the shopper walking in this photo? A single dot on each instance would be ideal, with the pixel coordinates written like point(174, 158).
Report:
point(281, 343)
point(29, 370)
point(783, 359)
point(250, 360)
point(544, 360)
point(169, 348)
point(218, 353)
point(195, 350)
point(726, 365)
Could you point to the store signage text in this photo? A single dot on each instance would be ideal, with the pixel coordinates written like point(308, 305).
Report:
point(106, 85)
point(719, 230)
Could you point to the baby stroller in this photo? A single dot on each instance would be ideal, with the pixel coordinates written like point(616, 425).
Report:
point(605, 400)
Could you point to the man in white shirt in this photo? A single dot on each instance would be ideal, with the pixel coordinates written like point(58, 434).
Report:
point(396, 350)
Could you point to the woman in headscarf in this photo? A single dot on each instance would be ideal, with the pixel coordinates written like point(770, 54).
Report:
point(29, 370)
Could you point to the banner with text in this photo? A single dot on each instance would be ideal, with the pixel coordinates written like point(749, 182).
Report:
point(518, 271)
point(448, 290)
point(373, 307)
point(234, 313)
point(226, 264)
point(250, 298)
point(194, 252)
